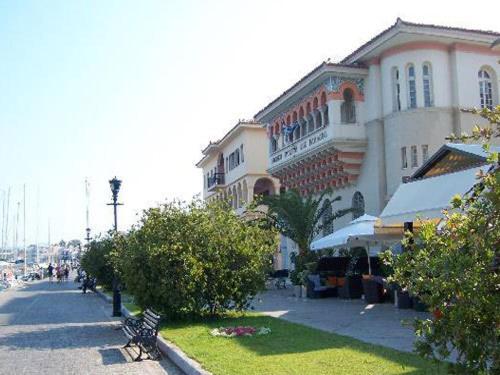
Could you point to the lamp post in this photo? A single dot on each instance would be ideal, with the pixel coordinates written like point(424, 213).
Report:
point(117, 298)
point(88, 238)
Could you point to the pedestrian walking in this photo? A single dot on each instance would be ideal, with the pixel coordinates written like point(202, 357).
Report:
point(50, 271)
point(59, 273)
point(66, 273)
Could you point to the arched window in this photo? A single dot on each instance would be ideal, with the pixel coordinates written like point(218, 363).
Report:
point(427, 81)
point(485, 89)
point(325, 115)
point(274, 145)
point(326, 218)
point(318, 119)
point(348, 108)
point(358, 205)
point(310, 121)
point(396, 90)
point(237, 157)
point(412, 87)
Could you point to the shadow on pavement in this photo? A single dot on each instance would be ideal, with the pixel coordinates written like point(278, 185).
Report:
point(73, 336)
point(112, 356)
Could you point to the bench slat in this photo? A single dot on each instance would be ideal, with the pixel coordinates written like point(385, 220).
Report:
point(152, 314)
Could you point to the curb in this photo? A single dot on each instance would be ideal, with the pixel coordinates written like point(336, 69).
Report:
point(173, 352)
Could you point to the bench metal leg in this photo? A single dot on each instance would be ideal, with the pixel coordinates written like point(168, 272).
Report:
point(140, 354)
point(128, 344)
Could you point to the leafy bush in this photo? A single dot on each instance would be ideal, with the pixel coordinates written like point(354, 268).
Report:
point(97, 261)
point(197, 258)
point(454, 269)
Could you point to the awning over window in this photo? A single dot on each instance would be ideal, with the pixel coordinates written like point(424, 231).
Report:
point(427, 198)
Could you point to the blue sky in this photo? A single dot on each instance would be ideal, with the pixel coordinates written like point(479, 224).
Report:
point(137, 88)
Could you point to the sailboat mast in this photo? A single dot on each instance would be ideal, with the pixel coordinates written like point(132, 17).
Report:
point(48, 244)
point(24, 227)
point(7, 220)
point(37, 222)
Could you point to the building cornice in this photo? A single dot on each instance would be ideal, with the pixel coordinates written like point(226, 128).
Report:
point(322, 69)
point(471, 35)
point(233, 132)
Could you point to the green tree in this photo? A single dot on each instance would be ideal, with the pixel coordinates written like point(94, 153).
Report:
point(193, 259)
point(454, 269)
point(300, 218)
point(97, 261)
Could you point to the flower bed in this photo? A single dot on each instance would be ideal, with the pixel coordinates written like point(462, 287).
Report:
point(239, 331)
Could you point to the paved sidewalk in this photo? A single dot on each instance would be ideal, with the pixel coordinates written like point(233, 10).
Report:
point(54, 328)
point(376, 324)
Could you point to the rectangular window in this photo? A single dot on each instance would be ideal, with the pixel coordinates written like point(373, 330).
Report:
point(404, 159)
point(241, 154)
point(425, 153)
point(414, 158)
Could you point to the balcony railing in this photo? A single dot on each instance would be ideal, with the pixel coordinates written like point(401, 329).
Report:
point(317, 139)
point(216, 180)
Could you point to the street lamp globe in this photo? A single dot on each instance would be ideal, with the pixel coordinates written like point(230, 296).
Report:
point(115, 184)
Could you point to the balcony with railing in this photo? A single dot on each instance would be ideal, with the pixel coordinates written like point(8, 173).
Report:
point(217, 180)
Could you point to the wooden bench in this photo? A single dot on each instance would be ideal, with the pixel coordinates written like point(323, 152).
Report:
point(143, 333)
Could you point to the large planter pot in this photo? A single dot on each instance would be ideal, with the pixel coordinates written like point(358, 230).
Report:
point(418, 305)
point(297, 290)
point(303, 291)
point(352, 288)
point(403, 300)
point(374, 291)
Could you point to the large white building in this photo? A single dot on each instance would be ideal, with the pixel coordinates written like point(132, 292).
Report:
point(361, 126)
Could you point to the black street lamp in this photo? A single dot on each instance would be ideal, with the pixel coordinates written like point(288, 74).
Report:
point(117, 298)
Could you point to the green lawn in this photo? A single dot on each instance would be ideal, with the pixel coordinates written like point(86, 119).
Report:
point(133, 308)
point(289, 349)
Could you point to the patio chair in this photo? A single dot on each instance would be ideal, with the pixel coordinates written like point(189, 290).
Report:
point(316, 290)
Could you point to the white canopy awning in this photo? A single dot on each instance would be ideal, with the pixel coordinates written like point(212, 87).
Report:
point(362, 226)
point(428, 197)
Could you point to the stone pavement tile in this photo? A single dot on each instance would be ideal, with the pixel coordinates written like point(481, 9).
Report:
point(376, 324)
point(54, 328)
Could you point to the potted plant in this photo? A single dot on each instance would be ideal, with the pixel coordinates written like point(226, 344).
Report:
point(353, 287)
point(373, 286)
point(296, 279)
point(403, 299)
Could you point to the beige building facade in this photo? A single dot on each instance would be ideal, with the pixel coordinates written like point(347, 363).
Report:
point(234, 167)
